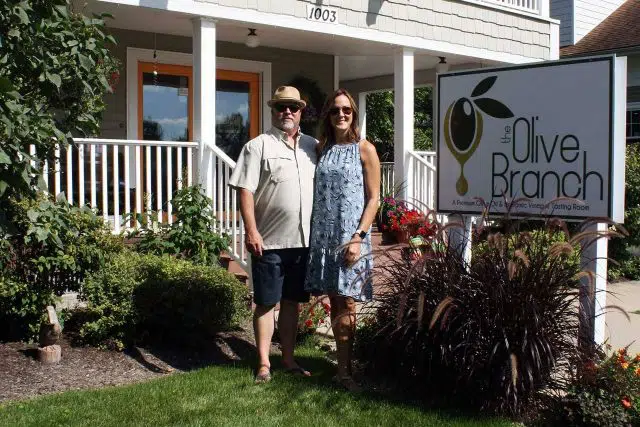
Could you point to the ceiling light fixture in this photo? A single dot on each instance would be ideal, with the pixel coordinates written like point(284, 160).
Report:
point(252, 38)
point(442, 66)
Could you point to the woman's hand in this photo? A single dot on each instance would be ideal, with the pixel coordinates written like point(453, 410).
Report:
point(352, 250)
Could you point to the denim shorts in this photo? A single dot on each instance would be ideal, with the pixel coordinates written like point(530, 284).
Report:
point(279, 274)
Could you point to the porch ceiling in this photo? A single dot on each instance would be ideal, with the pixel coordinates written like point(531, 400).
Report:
point(358, 58)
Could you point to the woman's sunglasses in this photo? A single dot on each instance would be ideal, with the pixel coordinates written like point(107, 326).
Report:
point(345, 110)
point(280, 108)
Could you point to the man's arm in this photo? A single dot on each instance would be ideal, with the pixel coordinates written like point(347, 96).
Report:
point(253, 240)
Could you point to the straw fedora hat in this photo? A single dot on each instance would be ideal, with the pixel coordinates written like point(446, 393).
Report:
point(286, 94)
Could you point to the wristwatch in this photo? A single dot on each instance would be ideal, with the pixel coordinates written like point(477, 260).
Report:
point(360, 233)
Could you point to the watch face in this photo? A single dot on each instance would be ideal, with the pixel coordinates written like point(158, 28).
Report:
point(363, 234)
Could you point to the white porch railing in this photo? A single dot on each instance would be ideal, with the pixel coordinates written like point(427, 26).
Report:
point(121, 179)
point(225, 201)
point(422, 180)
point(537, 7)
point(422, 188)
point(386, 179)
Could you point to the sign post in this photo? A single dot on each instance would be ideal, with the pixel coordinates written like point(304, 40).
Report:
point(538, 133)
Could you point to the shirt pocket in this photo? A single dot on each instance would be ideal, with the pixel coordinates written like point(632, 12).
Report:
point(282, 169)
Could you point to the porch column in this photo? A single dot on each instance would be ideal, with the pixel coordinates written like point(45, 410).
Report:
point(204, 98)
point(362, 114)
point(403, 86)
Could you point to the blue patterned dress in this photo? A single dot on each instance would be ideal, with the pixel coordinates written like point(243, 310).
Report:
point(338, 204)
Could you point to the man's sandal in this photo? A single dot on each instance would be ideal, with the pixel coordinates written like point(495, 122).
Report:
point(298, 371)
point(348, 383)
point(263, 375)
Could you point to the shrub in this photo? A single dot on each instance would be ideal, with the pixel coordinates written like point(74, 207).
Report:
point(57, 244)
point(491, 334)
point(191, 236)
point(53, 246)
point(156, 299)
point(604, 394)
point(628, 265)
point(22, 308)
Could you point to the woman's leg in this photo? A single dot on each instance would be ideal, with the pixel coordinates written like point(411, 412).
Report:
point(343, 322)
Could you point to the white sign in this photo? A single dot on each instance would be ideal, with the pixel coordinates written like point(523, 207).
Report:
point(539, 132)
point(322, 13)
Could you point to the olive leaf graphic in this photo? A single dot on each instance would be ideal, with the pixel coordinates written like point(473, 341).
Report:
point(484, 86)
point(493, 108)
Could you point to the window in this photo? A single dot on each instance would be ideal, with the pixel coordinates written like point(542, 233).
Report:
point(633, 123)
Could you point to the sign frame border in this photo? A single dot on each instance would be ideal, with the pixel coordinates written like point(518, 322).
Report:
point(610, 58)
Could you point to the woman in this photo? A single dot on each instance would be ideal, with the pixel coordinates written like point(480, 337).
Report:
point(347, 187)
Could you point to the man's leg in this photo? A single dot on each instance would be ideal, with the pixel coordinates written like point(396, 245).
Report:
point(292, 294)
point(263, 329)
point(267, 290)
point(288, 328)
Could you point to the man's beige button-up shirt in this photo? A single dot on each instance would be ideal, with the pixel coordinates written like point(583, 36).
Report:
point(281, 180)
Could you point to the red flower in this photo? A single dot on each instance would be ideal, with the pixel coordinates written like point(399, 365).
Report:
point(327, 308)
point(308, 323)
point(626, 402)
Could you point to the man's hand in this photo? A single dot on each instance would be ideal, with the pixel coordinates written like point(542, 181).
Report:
point(254, 243)
point(352, 251)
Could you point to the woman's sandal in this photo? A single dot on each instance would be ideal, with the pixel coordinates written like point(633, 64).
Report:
point(348, 383)
point(263, 375)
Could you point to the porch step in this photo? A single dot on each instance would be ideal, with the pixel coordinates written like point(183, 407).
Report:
point(233, 267)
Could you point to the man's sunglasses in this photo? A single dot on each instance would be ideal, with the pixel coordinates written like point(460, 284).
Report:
point(345, 110)
point(280, 108)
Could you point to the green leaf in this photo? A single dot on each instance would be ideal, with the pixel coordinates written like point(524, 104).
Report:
point(62, 9)
point(484, 86)
point(493, 108)
point(24, 18)
point(55, 79)
point(33, 215)
point(14, 32)
point(85, 62)
point(3, 187)
point(42, 234)
point(4, 158)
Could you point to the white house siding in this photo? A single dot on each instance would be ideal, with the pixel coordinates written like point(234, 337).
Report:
point(563, 11)
point(285, 64)
point(589, 13)
point(455, 22)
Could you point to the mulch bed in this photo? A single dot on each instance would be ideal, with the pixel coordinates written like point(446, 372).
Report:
point(22, 376)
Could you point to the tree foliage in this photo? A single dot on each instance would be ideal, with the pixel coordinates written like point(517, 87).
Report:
point(626, 264)
point(380, 121)
point(55, 68)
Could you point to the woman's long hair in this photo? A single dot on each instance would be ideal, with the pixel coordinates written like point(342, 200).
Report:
point(326, 133)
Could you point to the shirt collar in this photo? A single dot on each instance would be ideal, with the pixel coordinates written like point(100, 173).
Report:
point(282, 135)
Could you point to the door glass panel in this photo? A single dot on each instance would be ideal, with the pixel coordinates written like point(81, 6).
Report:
point(232, 116)
point(165, 107)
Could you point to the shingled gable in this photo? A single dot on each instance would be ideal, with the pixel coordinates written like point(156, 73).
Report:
point(620, 31)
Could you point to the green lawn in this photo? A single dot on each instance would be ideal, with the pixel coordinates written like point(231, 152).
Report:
point(227, 396)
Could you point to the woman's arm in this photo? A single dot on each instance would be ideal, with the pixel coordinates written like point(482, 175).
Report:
point(371, 174)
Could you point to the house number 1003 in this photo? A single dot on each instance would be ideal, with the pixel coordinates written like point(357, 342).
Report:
point(322, 14)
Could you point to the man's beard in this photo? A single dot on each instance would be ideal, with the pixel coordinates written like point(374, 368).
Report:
point(287, 124)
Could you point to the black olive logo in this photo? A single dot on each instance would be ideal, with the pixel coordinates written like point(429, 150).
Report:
point(463, 125)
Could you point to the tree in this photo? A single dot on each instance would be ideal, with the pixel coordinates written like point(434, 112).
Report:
point(55, 68)
point(380, 121)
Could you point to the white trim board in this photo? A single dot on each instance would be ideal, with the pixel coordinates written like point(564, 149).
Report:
point(250, 16)
point(135, 55)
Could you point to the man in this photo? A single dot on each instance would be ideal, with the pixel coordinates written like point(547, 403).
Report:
point(274, 175)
